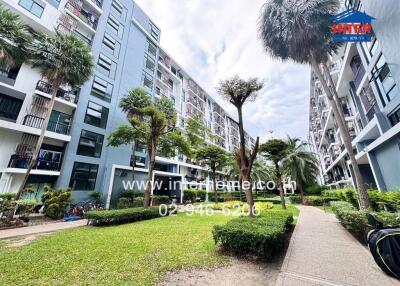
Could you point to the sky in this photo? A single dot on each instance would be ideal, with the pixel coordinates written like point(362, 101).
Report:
point(216, 39)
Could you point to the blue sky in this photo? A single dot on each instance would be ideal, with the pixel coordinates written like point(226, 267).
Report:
point(215, 39)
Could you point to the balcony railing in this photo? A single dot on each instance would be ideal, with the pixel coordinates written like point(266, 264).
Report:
point(9, 75)
point(37, 122)
point(86, 17)
point(70, 96)
point(48, 160)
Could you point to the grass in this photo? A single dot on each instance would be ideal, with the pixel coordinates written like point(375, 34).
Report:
point(131, 254)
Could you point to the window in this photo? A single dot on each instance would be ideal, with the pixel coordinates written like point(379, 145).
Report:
point(32, 7)
point(118, 9)
point(140, 161)
point(154, 31)
point(173, 70)
point(9, 107)
point(59, 122)
point(90, 144)
point(115, 26)
point(106, 66)
point(83, 176)
point(102, 89)
point(384, 79)
point(151, 48)
point(110, 45)
point(96, 115)
point(147, 80)
point(149, 63)
point(395, 117)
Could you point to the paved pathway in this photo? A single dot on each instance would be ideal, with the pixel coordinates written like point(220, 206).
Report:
point(322, 252)
point(38, 229)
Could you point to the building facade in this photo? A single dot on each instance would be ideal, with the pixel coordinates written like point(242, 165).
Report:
point(125, 45)
point(367, 79)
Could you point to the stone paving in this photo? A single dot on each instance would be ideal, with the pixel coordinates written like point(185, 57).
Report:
point(322, 252)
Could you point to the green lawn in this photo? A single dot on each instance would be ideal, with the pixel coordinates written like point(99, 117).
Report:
point(131, 254)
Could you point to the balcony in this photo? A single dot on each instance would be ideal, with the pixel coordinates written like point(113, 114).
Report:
point(70, 96)
point(47, 160)
point(79, 13)
point(58, 124)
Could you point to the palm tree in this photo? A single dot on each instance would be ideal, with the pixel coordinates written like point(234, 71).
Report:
point(260, 172)
point(239, 91)
point(14, 39)
point(299, 163)
point(301, 31)
point(61, 59)
point(134, 100)
point(275, 150)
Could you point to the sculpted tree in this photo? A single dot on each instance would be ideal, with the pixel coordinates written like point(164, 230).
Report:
point(239, 91)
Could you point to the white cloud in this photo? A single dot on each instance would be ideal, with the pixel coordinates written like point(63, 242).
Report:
point(213, 40)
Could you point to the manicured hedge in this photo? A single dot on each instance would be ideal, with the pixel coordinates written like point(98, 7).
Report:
point(263, 236)
point(356, 221)
point(121, 216)
point(193, 195)
point(295, 199)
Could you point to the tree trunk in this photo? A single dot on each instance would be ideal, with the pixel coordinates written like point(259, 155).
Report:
point(213, 171)
point(280, 185)
point(152, 158)
point(240, 188)
point(133, 165)
point(249, 194)
point(300, 187)
point(244, 164)
point(364, 202)
point(39, 142)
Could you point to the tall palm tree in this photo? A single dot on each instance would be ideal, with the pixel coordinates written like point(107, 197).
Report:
point(300, 164)
point(14, 39)
point(133, 100)
point(239, 91)
point(300, 31)
point(275, 150)
point(61, 59)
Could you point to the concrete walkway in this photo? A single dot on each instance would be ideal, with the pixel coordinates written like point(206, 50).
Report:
point(322, 252)
point(38, 229)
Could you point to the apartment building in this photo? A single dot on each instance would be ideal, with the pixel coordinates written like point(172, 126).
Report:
point(367, 78)
point(125, 44)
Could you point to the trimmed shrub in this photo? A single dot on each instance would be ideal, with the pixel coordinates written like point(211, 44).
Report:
point(270, 200)
point(201, 195)
point(56, 201)
point(158, 200)
point(189, 195)
point(318, 200)
point(263, 236)
point(25, 208)
point(315, 190)
point(138, 202)
point(124, 203)
point(295, 199)
point(113, 217)
point(356, 222)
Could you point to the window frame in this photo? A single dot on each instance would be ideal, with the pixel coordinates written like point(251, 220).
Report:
point(97, 142)
point(89, 167)
point(87, 115)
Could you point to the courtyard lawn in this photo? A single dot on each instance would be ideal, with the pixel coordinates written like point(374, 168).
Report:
point(131, 254)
